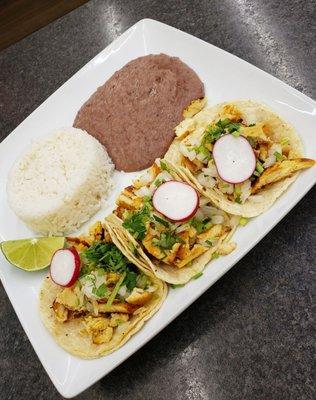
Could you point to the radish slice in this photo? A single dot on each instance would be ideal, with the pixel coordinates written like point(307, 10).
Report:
point(65, 267)
point(234, 158)
point(177, 201)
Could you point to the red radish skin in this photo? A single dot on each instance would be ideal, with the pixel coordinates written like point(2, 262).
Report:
point(65, 267)
point(234, 158)
point(177, 201)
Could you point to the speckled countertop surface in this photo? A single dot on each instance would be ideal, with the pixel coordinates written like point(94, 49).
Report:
point(251, 335)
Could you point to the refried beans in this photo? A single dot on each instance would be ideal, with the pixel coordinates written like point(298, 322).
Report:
point(135, 112)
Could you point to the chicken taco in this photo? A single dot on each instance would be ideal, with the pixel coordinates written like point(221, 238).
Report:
point(108, 302)
point(240, 155)
point(173, 229)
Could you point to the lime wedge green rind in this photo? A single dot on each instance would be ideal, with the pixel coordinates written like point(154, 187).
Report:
point(31, 254)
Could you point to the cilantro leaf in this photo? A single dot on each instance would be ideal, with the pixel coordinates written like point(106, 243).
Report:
point(161, 221)
point(106, 256)
point(233, 127)
point(130, 280)
point(164, 166)
point(200, 226)
point(167, 240)
point(136, 223)
point(101, 291)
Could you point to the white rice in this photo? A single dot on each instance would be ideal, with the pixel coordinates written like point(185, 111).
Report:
point(60, 182)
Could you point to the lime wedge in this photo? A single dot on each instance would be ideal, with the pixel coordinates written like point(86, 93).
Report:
point(31, 254)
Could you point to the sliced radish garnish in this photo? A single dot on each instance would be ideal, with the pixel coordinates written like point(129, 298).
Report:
point(234, 158)
point(65, 267)
point(177, 201)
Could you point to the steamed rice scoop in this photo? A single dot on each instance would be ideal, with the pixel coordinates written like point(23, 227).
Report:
point(60, 182)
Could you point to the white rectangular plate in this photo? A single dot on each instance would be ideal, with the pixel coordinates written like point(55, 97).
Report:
point(226, 77)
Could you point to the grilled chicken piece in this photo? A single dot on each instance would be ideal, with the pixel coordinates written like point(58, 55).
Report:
point(185, 127)
point(256, 132)
point(103, 336)
point(212, 233)
point(281, 170)
point(68, 299)
point(153, 250)
point(117, 308)
point(99, 328)
point(230, 111)
point(117, 319)
point(195, 252)
point(61, 312)
point(139, 297)
point(169, 259)
point(194, 107)
point(190, 165)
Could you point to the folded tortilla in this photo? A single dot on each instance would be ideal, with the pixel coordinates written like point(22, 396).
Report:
point(164, 271)
point(70, 335)
point(250, 112)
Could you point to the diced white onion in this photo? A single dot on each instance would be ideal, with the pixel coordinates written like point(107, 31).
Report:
point(210, 211)
point(217, 219)
point(271, 159)
point(225, 187)
point(123, 290)
point(190, 154)
point(210, 171)
point(207, 182)
point(144, 191)
point(144, 179)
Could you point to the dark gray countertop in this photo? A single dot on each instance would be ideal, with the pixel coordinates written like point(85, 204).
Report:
point(251, 335)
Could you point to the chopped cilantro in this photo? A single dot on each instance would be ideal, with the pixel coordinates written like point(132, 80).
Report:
point(278, 156)
point(201, 226)
point(256, 173)
point(106, 256)
point(222, 123)
point(142, 281)
point(147, 199)
point(204, 151)
point(136, 223)
point(212, 133)
point(238, 200)
point(130, 280)
point(233, 127)
point(164, 166)
point(167, 240)
point(198, 275)
point(101, 291)
point(161, 221)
